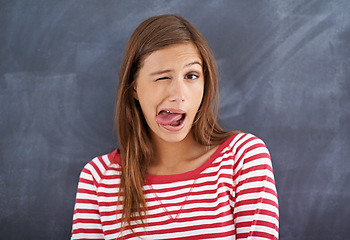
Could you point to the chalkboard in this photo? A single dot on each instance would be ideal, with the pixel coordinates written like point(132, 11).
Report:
point(284, 71)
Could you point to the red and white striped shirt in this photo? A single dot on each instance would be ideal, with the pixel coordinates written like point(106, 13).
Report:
point(231, 196)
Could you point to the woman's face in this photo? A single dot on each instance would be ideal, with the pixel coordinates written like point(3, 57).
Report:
point(169, 88)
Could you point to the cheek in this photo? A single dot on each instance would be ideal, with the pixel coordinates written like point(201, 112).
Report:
point(147, 112)
point(198, 96)
point(147, 103)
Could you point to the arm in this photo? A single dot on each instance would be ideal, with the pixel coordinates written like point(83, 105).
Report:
point(86, 219)
point(256, 205)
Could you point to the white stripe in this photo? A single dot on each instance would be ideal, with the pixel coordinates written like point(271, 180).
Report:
point(88, 216)
point(100, 166)
point(257, 216)
point(86, 196)
point(171, 185)
point(86, 176)
point(218, 170)
point(93, 171)
point(108, 190)
point(111, 181)
point(87, 226)
point(257, 151)
point(86, 206)
point(259, 184)
point(258, 228)
point(87, 236)
point(249, 207)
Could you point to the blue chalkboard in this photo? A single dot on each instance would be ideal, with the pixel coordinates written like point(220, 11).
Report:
point(284, 76)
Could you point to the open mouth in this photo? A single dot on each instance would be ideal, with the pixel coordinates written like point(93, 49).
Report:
point(170, 118)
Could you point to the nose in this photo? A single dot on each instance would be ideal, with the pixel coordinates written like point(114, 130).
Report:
point(176, 90)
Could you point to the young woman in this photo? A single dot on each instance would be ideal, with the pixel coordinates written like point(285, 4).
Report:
point(177, 174)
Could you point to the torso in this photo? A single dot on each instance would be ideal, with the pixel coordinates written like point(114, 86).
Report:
point(210, 201)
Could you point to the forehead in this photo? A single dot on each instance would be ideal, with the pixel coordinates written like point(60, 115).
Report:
point(176, 55)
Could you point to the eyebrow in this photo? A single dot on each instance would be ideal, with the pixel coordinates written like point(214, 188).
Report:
point(167, 71)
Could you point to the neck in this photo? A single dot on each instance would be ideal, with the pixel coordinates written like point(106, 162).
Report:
point(178, 157)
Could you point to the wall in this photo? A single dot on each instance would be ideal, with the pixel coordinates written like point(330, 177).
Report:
point(284, 76)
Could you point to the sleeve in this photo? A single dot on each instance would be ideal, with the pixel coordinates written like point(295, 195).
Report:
point(256, 213)
point(86, 219)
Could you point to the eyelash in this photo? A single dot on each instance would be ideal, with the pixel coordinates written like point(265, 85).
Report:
point(162, 78)
point(192, 74)
point(186, 77)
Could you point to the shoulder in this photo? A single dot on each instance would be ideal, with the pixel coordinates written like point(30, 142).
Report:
point(245, 146)
point(249, 157)
point(98, 167)
point(242, 142)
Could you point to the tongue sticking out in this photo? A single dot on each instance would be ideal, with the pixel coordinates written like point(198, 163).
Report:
point(167, 118)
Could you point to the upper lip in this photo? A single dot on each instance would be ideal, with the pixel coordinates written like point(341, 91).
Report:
point(172, 110)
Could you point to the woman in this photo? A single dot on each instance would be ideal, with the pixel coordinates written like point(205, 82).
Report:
point(177, 174)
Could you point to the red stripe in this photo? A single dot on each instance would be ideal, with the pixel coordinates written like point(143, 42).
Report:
point(257, 156)
point(110, 213)
point(97, 170)
point(102, 161)
point(213, 188)
point(208, 209)
point(87, 181)
point(256, 168)
point(191, 201)
point(194, 237)
point(86, 211)
point(253, 212)
point(87, 191)
point(104, 185)
point(104, 194)
point(255, 146)
point(89, 201)
point(254, 201)
point(87, 221)
point(87, 230)
point(256, 223)
point(263, 235)
point(111, 177)
point(257, 190)
point(179, 229)
point(261, 178)
point(191, 228)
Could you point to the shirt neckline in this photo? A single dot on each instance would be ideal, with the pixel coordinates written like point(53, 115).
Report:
point(154, 179)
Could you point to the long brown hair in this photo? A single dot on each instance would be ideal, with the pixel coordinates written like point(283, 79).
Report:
point(134, 139)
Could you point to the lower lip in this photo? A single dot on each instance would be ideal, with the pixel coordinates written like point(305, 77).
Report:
point(174, 128)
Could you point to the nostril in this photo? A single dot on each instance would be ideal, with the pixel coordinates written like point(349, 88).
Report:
point(177, 98)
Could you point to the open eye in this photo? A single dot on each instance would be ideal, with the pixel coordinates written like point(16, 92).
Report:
point(192, 76)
